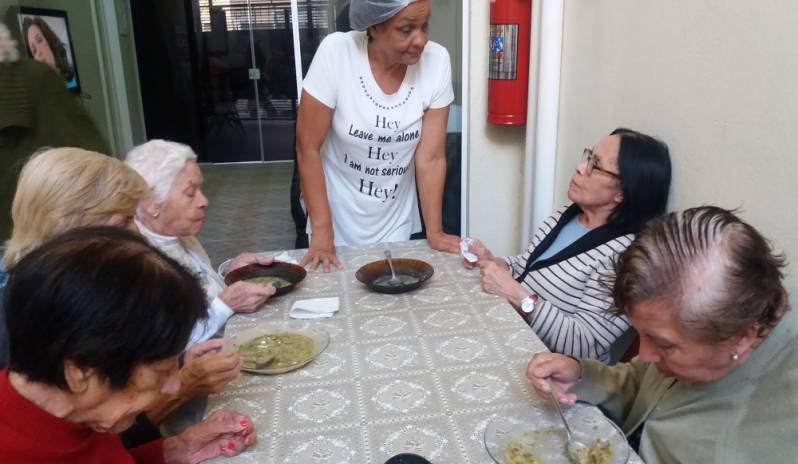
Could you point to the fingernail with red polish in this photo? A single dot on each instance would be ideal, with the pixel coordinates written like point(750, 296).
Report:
point(231, 445)
point(244, 423)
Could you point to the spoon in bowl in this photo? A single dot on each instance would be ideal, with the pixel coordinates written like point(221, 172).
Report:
point(393, 281)
point(572, 446)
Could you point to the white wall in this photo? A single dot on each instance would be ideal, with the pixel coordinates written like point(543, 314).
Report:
point(495, 153)
point(715, 79)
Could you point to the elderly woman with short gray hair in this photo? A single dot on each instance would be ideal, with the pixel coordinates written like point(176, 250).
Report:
point(717, 374)
point(171, 216)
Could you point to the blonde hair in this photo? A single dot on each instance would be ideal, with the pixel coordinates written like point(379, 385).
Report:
point(64, 188)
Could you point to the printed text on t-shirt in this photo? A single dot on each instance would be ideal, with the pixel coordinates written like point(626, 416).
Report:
point(379, 158)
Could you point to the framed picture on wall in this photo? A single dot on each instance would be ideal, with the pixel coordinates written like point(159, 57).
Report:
point(47, 39)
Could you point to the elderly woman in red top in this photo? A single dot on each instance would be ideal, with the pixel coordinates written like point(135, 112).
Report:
point(96, 319)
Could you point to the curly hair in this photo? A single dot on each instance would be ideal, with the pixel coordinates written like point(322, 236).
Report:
point(717, 273)
point(159, 162)
point(58, 48)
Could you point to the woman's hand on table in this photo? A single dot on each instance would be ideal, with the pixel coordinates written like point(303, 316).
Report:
point(442, 241)
point(547, 370)
point(224, 433)
point(497, 280)
point(321, 252)
point(247, 258)
point(246, 297)
point(209, 372)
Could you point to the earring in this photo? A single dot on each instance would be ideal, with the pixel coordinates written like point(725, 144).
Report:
point(735, 356)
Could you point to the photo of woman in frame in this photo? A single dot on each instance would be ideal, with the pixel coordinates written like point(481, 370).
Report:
point(46, 36)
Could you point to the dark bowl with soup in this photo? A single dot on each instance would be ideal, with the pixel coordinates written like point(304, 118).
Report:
point(411, 273)
point(284, 276)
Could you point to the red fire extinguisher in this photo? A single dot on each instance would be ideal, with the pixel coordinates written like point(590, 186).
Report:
point(508, 73)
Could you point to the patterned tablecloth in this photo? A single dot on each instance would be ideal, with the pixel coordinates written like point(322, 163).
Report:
point(420, 372)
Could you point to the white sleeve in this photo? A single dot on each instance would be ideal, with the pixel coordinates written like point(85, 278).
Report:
point(218, 314)
point(320, 81)
point(443, 93)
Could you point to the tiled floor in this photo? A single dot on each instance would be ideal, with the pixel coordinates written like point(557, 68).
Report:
point(248, 209)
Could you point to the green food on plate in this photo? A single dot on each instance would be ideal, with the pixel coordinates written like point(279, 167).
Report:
point(525, 449)
point(277, 351)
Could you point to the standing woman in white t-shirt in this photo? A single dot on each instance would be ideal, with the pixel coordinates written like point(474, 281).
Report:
point(372, 122)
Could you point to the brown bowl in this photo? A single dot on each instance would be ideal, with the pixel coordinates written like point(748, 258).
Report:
point(291, 272)
point(413, 273)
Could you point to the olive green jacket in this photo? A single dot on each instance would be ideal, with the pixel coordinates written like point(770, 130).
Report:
point(36, 110)
point(748, 416)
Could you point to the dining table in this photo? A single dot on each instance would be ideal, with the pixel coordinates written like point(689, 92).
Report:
point(420, 372)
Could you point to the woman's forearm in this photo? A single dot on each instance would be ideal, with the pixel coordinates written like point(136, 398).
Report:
point(614, 388)
point(430, 162)
point(581, 328)
point(312, 125)
point(430, 177)
point(314, 189)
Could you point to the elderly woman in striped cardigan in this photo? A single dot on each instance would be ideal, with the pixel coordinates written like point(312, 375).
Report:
point(557, 283)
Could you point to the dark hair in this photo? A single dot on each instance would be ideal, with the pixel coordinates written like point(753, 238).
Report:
point(101, 297)
point(644, 166)
point(56, 46)
point(718, 275)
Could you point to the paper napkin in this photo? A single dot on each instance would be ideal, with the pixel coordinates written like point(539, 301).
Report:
point(315, 308)
point(464, 244)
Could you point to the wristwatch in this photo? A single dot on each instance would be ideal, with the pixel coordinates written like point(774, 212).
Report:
point(528, 303)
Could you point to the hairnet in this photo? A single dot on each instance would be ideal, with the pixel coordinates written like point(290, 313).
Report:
point(366, 13)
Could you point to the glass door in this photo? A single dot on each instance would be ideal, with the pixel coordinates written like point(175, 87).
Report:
point(218, 75)
point(271, 34)
point(246, 76)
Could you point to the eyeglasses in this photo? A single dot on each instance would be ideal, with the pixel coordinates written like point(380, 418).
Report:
point(590, 162)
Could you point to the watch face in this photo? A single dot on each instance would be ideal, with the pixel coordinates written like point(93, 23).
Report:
point(527, 305)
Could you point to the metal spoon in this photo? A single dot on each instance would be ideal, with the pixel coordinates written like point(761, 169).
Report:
point(572, 446)
point(393, 281)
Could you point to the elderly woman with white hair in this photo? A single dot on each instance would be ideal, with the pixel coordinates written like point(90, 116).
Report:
point(171, 216)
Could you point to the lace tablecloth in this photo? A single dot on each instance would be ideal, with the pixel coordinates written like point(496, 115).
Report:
point(420, 372)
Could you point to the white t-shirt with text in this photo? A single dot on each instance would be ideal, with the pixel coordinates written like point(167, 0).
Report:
point(368, 156)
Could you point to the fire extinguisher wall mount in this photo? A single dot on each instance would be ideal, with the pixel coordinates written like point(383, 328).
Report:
point(508, 73)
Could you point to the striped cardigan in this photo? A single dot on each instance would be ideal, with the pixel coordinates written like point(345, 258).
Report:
point(570, 315)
